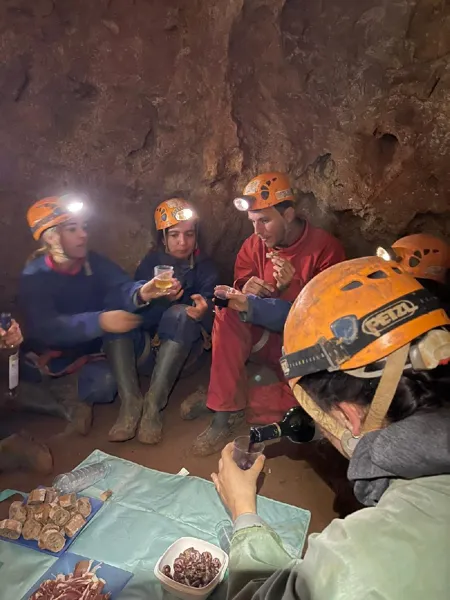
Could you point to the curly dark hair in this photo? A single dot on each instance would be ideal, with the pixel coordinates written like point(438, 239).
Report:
point(416, 391)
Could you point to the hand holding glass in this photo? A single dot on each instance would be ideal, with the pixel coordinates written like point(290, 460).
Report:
point(163, 277)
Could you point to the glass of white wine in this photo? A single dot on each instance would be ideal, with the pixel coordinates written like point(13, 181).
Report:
point(164, 277)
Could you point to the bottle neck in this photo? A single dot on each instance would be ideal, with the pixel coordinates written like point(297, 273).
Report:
point(264, 433)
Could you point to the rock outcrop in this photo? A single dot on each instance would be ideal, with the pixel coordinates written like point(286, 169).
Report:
point(132, 100)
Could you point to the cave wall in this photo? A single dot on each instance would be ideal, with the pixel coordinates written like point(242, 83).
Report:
point(132, 100)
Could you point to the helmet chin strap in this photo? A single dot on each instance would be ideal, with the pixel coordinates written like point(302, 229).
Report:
point(395, 364)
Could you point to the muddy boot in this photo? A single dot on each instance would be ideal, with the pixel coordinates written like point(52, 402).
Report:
point(21, 452)
point(39, 398)
point(169, 362)
point(220, 432)
point(80, 414)
point(194, 405)
point(81, 418)
point(121, 356)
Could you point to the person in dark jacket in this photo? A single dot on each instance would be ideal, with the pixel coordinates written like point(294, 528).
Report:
point(77, 305)
point(180, 322)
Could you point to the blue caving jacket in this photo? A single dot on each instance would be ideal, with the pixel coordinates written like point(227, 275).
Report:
point(62, 310)
point(201, 278)
point(270, 313)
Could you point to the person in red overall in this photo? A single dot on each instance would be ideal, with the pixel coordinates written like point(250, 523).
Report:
point(276, 262)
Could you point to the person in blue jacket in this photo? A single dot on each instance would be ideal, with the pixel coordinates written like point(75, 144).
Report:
point(78, 304)
point(180, 322)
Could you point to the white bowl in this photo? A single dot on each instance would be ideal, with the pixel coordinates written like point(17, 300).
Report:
point(184, 591)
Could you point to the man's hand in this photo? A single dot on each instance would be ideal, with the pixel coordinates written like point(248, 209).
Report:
point(198, 311)
point(283, 271)
point(258, 287)
point(119, 321)
point(149, 291)
point(236, 487)
point(236, 300)
point(11, 338)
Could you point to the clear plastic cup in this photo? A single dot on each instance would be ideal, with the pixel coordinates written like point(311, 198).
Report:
point(245, 455)
point(164, 276)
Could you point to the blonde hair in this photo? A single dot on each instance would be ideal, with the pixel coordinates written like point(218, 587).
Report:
point(50, 244)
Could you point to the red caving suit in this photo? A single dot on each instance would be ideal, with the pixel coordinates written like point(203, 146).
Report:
point(233, 340)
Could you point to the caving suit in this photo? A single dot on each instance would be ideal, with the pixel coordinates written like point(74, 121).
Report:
point(235, 340)
point(169, 320)
point(62, 328)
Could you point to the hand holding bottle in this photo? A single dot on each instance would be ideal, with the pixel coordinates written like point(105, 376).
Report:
point(12, 337)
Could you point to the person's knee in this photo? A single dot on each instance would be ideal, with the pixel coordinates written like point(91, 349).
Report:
point(177, 325)
point(96, 383)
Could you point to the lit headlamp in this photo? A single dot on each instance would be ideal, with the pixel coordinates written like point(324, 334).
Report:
point(72, 203)
point(387, 254)
point(185, 214)
point(243, 203)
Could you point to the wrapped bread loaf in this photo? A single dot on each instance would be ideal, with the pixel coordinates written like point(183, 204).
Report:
point(83, 506)
point(74, 525)
point(51, 495)
point(36, 496)
point(41, 513)
point(51, 540)
point(50, 527)
point(31, 529)
point(59, 516)
point(11, 529)
point(68, 501)
point(18, 512)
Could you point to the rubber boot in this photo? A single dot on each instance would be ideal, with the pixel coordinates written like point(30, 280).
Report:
point(121, 356)
point(80, 413)
point(19, 451)
point(222, 428)
point(194, 405)
point(169, 362)
point(39, 398)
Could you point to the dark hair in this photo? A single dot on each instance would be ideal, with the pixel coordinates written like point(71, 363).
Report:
point(281, 207)
point(416, 391)
point(159, 239)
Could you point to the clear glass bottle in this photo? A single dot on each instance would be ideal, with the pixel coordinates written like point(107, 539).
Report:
point(9, 360)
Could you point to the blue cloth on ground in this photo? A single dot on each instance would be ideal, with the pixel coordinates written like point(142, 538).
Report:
point(147, 512)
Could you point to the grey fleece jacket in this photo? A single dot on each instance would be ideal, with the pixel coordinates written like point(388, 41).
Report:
point(397, 548)
point(418, 446)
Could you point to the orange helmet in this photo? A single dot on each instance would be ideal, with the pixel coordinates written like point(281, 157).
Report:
point(265, 190)
point(52, 211)
point(422, 255)
point(170, 212)
point(353, 314)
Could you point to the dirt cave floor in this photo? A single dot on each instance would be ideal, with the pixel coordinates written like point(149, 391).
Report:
point(309, 476)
